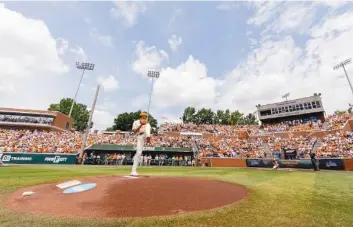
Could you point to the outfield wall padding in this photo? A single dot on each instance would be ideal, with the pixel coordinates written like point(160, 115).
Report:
point(228, 162)
point(348, 164)
point(331, 164)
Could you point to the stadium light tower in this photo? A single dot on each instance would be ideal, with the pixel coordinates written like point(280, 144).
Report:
point(285, 96)
point(342, 64)
point(83, 66)
point(154, 75)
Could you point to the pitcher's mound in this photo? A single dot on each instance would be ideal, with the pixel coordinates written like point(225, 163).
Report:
point(127, 197)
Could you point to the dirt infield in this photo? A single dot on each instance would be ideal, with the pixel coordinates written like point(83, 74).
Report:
point(125, 197)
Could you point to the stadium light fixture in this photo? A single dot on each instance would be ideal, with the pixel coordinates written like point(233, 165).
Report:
point(342, 65)
point(154, 75)
point(83, 66)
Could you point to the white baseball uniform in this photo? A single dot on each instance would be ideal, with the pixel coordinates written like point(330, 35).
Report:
point(145, 131)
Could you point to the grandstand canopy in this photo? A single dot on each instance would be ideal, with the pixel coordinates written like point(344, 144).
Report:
point(305, 109)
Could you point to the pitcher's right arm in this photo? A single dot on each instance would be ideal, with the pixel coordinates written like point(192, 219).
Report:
point(136, 126)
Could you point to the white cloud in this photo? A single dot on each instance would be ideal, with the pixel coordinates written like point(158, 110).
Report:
point(284, 16)
point(109, 83)
point(62, 45)
point(105, 113)
point(276, 66)
point(334, 26)
point(147, 58)
point(263, 77)
point(106, 40)
point(332, 4)
point(108, 105)
point(290, 16)
point(265, 11)
point(174, 42)
point(102, 119)
point(281, 66)
point(80, 54)
point(295, 17)
point(187, 84)
point(27, 51)
point(128, 11)
point(227, 6)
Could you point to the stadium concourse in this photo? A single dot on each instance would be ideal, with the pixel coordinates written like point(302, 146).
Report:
point(328, 139)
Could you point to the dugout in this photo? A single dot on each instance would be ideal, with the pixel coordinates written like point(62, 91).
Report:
point(129, 152)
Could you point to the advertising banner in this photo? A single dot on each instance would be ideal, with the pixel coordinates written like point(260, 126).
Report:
point(261, 163)
point(333, 164)
point(301, 164)
point(35, 158)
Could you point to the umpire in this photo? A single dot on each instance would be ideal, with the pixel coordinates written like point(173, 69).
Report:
point(314, 161)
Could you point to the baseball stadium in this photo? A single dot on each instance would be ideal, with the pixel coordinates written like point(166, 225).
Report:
point(294, 169)
point(180, 117)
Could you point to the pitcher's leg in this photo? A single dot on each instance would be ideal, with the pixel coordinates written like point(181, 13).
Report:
point(136, 159)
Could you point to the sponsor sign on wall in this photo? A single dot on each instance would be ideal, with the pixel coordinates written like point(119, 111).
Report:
point(34, 158)
point(333, 164)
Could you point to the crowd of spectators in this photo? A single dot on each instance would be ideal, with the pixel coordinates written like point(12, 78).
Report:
point(39, 141)
point(339, 145)
point(217, 129)
point(25, 119)
point(221, 140)
point(233, 147)
point(303, 144)
point(332, 122)
point(70, 142)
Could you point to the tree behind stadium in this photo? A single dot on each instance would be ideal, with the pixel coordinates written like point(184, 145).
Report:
point(207, 116)
point(80, 114)
point(125, 120)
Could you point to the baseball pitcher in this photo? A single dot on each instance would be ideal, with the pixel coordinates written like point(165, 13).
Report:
point(142, 130)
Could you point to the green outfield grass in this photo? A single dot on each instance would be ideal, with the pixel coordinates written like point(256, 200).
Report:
point(277, 198)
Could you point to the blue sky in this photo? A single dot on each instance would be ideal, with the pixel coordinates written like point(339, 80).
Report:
point(210, 54)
